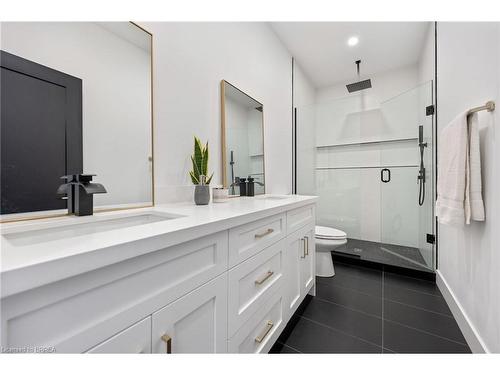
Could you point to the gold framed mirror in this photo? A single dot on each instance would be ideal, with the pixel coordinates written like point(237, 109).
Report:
point(242, 139)
point(106, 68)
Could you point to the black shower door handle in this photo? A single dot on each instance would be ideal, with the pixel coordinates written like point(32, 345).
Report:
point(382, 175)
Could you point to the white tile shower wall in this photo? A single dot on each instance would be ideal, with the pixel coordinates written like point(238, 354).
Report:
point(469, 256)
point(190, 60)
point(354, 200)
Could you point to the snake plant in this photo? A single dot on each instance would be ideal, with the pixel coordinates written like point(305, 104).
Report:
point(200, 163)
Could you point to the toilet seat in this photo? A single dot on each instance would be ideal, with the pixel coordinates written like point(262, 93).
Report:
point(327, 233)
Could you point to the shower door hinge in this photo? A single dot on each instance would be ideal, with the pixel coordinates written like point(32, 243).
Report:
point(431, 238)
point(429, 110)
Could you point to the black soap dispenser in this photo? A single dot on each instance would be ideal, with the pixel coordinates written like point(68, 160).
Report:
point(243, 187)
point(250, 186)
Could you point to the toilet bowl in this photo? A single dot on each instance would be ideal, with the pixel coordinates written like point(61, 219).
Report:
point(327, 239)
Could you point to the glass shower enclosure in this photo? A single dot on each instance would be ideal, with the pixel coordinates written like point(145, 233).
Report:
point(365, 165)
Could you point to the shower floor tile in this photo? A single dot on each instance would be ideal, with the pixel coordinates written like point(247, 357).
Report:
point(394, 255)
point(365, 310)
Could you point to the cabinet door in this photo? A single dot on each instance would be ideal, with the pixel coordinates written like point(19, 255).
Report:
point(307, 261)
point(135, 339)
point(292, 276)
point(195, 323)
point(300, 267)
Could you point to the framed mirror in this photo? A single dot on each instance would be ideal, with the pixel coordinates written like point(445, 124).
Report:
point(242, 120)
point(76, 97)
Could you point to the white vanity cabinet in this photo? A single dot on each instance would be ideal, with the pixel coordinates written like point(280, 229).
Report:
point(134, 340)
point(300, 267)
point(195, 323)
point(232, 289)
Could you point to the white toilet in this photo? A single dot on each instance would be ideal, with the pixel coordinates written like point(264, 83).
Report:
point(327, 239)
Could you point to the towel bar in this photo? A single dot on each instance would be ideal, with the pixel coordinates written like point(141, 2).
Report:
point(489, 106)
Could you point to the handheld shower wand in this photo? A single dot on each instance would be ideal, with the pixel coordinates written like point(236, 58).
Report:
point(421, 172)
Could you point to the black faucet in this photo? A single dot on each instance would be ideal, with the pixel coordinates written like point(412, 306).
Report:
point(80, 191)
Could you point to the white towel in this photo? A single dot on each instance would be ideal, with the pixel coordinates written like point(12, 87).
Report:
point(459, 173)
point(474, 206)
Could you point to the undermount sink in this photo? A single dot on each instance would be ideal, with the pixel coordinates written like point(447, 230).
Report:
point(97, 225)
point(273, 197)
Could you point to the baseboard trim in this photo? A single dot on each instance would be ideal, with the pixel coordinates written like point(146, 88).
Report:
point(470, 333)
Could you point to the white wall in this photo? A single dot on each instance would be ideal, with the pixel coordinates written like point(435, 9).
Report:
point(469, 257)
point(116, 99)
point(190, 60)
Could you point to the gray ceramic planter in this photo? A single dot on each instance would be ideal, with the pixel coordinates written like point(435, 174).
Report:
point(201, 194)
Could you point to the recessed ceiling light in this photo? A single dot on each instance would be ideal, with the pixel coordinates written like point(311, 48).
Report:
point(352, 41)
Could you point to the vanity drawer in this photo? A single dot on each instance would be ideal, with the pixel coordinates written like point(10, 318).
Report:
point(133, 340)
point(260, 333)
point(300, 217)
point(252, 282)
point(248, 239)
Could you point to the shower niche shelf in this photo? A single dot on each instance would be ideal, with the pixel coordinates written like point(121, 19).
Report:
point(361, 143)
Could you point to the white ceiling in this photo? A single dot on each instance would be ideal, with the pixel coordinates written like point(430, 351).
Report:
point(321, 49)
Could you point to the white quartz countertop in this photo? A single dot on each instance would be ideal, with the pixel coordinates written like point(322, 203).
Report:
point(27, 265)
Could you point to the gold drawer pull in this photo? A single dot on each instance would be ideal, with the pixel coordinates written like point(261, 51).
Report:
point(307, 245)
point(260, 235)
point(264, 278)
point(168, 343)
point(264, 333)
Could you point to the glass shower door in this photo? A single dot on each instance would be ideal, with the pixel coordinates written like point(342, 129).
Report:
point(404, 223)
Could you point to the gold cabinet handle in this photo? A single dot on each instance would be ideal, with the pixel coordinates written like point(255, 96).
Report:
point(303, 248)
point(260, 235)
point(168, 343)
point(307, 245)
point(264, 333)
point(264, 278)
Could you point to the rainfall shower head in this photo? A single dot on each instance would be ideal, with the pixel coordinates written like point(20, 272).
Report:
point(360, 85)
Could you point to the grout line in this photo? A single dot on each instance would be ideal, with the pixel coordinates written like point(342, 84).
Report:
point(428, 333)
point(418, 291)
point(383, 298)
point(390, 350)
point(340, 331)
point(289, 347)
point(413, 278)
point(420, 308)
point(348, 308)
point(348, 289)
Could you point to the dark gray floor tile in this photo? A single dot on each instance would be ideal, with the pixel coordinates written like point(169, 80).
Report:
point(310, 337)
point(364, 282)
point(357, 270)
point(418, 285)
point(437, 324)
point(353, 323)
point(280, 348)
point(425, 301)
point(349, 298)
point(406, 340)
